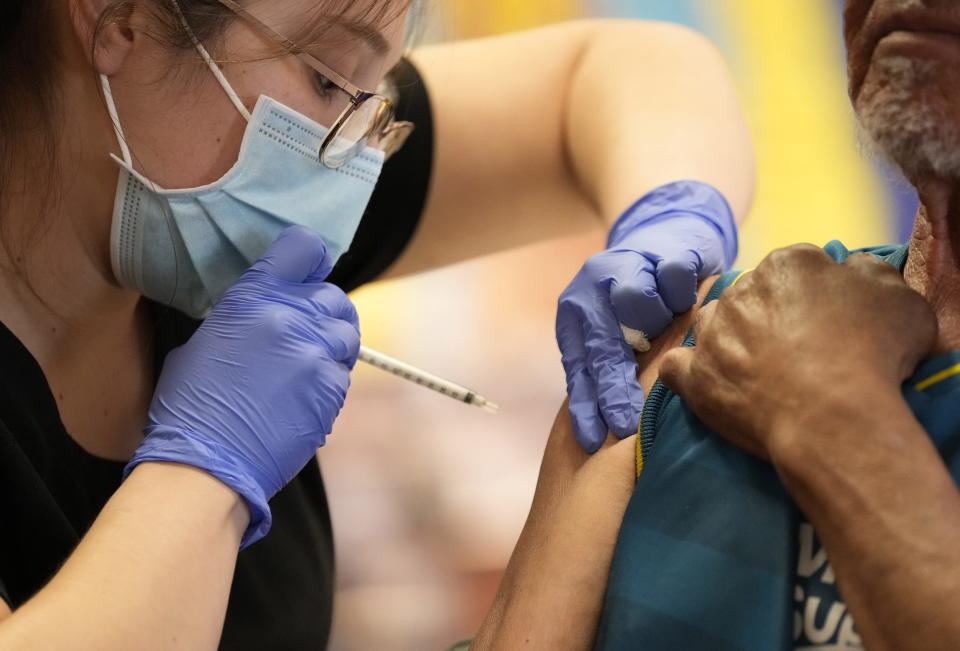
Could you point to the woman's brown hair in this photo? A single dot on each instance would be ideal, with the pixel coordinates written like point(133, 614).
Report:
point(31, 111)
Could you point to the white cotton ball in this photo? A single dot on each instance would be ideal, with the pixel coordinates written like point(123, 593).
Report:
point(636, 338)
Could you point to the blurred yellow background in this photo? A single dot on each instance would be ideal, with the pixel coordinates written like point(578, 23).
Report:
point(427, 495)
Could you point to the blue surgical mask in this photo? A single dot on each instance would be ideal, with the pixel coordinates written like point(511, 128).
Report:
point(185, 248)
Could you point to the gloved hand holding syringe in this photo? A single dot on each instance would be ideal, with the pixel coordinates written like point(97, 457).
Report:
point(424, 379)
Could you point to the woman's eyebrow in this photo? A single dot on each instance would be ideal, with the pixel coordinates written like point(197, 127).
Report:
point(367, 32)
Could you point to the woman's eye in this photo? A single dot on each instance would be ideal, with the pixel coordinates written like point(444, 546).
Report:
point(324, 86)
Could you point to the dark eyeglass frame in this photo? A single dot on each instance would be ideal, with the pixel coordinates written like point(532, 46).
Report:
point(390, 134)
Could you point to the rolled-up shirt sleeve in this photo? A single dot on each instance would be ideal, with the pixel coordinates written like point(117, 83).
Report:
point(397, 205)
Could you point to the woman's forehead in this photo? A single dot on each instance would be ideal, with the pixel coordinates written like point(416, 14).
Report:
point(377, 24)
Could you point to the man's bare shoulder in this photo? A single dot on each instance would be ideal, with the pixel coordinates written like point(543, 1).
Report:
point(673, 336)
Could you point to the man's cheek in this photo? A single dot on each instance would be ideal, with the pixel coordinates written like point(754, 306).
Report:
point(854, 16)
point(856, 13)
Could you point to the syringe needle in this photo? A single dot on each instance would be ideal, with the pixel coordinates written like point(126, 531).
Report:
point(492, 407)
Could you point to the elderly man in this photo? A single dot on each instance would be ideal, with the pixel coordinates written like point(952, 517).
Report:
point(832, 522)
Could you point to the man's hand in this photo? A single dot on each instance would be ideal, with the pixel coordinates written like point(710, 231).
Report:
point(798, 336)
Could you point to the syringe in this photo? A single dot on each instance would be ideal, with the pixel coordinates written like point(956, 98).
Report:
point(424, 379)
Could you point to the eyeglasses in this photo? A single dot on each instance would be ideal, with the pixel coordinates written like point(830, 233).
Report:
point(368, 116)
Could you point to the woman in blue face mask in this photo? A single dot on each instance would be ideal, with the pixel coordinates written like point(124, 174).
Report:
point(164, 162)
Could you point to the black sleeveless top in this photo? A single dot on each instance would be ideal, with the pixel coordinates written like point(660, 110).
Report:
point(51, 490)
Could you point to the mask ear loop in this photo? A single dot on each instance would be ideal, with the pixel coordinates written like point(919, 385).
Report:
point(214, 68)
point(115, 118)
point(118, 128)
point(217, 74)
point(128, 163)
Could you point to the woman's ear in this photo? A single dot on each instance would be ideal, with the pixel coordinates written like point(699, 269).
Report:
point(105, 32)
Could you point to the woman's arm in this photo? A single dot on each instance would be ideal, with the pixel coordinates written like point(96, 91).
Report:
point(238, 411)
point(556, 131)
point(154, 571)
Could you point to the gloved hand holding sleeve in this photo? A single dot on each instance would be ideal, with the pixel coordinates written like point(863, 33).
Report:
point(253, 394)
point(657, 252)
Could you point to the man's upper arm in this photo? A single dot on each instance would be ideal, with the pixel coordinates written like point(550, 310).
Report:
point(673, 336)
point(563, 555)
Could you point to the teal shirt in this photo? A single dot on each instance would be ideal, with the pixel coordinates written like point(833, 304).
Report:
point(712, 552)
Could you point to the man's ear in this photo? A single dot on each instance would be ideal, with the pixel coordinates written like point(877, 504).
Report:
point(105, 32)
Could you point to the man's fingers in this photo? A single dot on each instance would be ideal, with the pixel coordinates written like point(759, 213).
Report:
point(871, 264)
point(913, 311)
point(704, 316)
point(675, 369)
point(796, 259)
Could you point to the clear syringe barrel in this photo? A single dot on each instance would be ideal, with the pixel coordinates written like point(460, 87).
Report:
point(421, 377)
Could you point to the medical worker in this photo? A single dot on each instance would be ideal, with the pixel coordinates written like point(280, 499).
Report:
point(187, 189)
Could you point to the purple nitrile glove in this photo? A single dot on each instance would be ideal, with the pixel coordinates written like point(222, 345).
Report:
point(657, 252)
point(255, 391)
